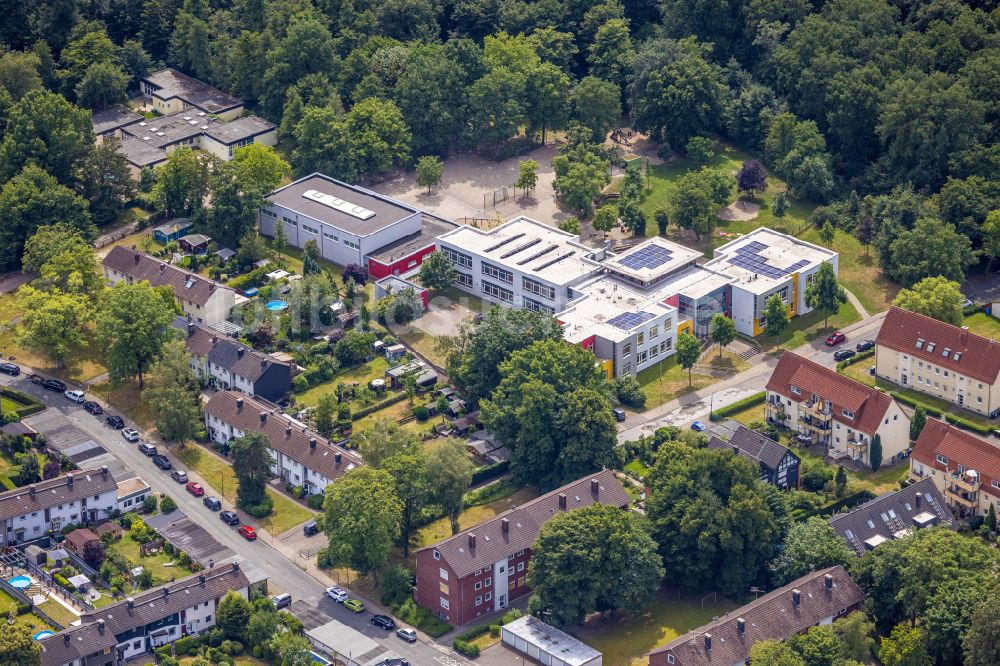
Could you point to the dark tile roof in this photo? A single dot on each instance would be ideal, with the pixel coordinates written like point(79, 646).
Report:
point(868, 404)
point(225, 352)
point(187, 285)
point(524, 523)
point(884, 517)
point(772, 616)
point(75, 643)
point(289, 437)
point(980, 357)
point(958, 447)
point(61, 490)
point(753, 445)
point(197, 93)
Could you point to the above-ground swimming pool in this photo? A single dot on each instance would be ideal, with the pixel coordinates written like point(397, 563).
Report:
point(20, 582)
point(43, 634)
point(276, 306)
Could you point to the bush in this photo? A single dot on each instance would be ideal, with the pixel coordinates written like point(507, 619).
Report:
point(184, 646)
point(397, 585)
point(232, 648)
point(62, 582)
point(149, 504)
point(167, 504)
point(261, 510)
point(167, 660)
point(857, 358)
point(470, 650)
point(300, 384)
point(421, 618)
point(22, 608)
point(473, 633)
point(628, 393)
point(738, 406)
point(297, 492)
point(511, 615)
point(315, 502)
point(257, 651)
point(490, 472)
point(184, 559)
point(494, 630)
point(967, 425)
point(422, 413)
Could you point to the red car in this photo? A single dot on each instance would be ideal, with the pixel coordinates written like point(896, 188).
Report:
point(248, 533)
point(195, 489)
point(835, 339)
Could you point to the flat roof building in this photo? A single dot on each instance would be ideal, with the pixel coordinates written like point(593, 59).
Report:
point(546, 644)
point(110, 121)
point(172, 91)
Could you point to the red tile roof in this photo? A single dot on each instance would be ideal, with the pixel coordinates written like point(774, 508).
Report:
point(138, 266)
point(868, 404)
point(959, 447)
point(980, 357)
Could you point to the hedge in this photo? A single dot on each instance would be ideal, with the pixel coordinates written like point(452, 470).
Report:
point(956, 421)
point(855, 359)
point(846, 502)
point(474, 633)
point(371, 409)
point(470, 650)
point(490, 472)
point(31, 405)
point(906, 400)
point(968, 425)
point(738, 406)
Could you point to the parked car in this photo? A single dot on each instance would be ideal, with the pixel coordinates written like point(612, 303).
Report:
point(115, 422)
point(698, 426)
point(967, 303)
point(131, 434)
point(310, 528)
point(54, 385)
point(835, 339)
point(383, 622)
point(180, 476)
point(147, 449)
point(865, 345)
point(75, 396)
point(195, 488)
point(337, 594)
point(10, 369)
point(248, 533)
point(394, 661)
point(843, 354)
point(162, 462)
point(93, 408)
point(354, 605)
point(407, 634)
point(281, 600)
point(229, 518)
point(213, 503)
point(619, 414)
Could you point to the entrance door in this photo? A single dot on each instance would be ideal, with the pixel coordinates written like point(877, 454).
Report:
point(503, 600)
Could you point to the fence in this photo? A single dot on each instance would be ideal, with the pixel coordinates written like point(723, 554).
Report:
point(24, 599)
point(44, 576)
point(109, 238)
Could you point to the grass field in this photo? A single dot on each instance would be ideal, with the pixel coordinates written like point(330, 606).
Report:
point(58, 612)
point(361, 374)
point(984, 325)
point(8, 605)
point(667, 380)
point(394, 413)
point(162, 566)
point(424, 344)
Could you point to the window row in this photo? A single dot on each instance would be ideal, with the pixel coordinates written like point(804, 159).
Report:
point(498, 273)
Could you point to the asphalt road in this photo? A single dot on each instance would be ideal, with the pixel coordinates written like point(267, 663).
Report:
point(283, 574)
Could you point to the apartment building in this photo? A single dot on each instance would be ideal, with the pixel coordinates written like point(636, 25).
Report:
point(965, 468)
point(484, 568)
point(939, 359)
point(836, 412)
point(893, 516)
point(78, 498)
point(818, 598)
point(205, 301)
point(778, 465)
point(169, 91)
point(299, 456)
point(122, 631)
point(228, 364)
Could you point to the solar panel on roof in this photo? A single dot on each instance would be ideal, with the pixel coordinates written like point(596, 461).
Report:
point(651, 256)
point(629, 320)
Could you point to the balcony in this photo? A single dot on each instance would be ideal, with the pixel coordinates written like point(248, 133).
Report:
point(819, 408)
point(817, 424)
point(857, 446)
point(960, 497)
point(967, 483)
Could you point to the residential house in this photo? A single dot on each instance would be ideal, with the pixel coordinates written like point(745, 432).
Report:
point(205, 301)
point(425, 376)
point(131, 494)
point(228, 364)
point(78, 539)
point(484, 568)
point(172, 230)
point(778, 465)
point(939, 359)
point(300, 456)
point(124, 630)
point(836, 412)
point(893, 516)
point(194, 244)
point(78, 498)
point(818, 598)
point(172, 92)
point(964, 468)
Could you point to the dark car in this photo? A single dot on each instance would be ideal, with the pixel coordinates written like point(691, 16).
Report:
point(148, 449)
point(212, 503)
point(865, 345)
point(397, 661)
point(10, 369)
point(93, 408)
point(383, 621)
point(619, 414)
point(54, 385)
point(844, 354)
point(115, 421)
point(162, 462)
point(229, 518)
point(310, 528)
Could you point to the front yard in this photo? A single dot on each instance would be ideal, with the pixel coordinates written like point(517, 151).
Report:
point(668, 381)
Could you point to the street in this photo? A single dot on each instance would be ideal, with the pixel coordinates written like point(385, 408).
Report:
point(284, 573)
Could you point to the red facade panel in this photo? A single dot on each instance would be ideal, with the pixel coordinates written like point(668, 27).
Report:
point(379, 270)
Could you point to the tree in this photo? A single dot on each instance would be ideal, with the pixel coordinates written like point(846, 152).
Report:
point(775, 317)
point(252, 466)
point(818, 646)
point(102, 86)
point(605, 218)
point(697, 196)
point(412, 490)
point(437, 272)
point(722, 331)
point(322, 143)
point(931, 248)
point(259, 170)
point(751, 178)
point(596, 104)
point(233, 615)
point(855, 632)
point(429, 172)
point(181, 183)
point(827, 233)
point(310, 258)
point(936, 297)
point(380, 138)
point(632, 216)
point(133, 324)
point(93, 554)
point(578, 559)
point(773, 652)
point(174, 393)
point(262, 626)
point(527, 176)
point(18, 647)
point(280, 238)
point(430, 93)
point(825, 293)
point(982, 641)
point(325, 415)
point(362, 516)
point(105, 181)
point(46, 130)
point(52, 323)
point(64, 260)
point(291, 649)
point(19, 73)
point(905, 646)
point(383, 441)
point(662, 217)
point(876, 452)
point(948, 617)
point(780, 205)
point(29, 471)
point(991, 519)
point(496, 105)
point(449, 474)
point(809, 546)
point(699, 149)
point(688, 351)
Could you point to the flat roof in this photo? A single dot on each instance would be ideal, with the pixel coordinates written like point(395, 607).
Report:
point(112, 119)
point(530, 247)
point(172, 83)
point(652, 259)
point(569, 650)
point(239, 129)
point(693, 282)
point(764, 259)
point(387, 212)
point(141, 154)
point(166, 130)
point(431, 228)
point(611, 309)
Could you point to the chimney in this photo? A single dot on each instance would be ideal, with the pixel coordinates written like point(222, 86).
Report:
point(504, 525)
point(964, 335)
point(201, 580)
point(312, 442)
point(828, 582)
point(31, 490)
point(215, 340)
point(288, 431)
point(69, 480)
point(263, 418)
point(166, 592)
point(595, 487)
point(336, 457)
point(741, 625)
point(562, 501)
point(736, 450)
point(163, 267)
point(236, 566)
point(65, 639)
point(796, 598)
point(100, 625)
point(239, 404)
point(239, 352)
point(472, 541)
point(211, 287)
point(130, 602)
point(263, 363)
point(708, 642)
point(918, 498)
point(136, 256)
point(104, 472)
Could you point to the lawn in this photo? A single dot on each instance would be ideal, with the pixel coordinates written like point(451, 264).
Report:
point(162, 566)
point(128, 400)
point(423, 343)
point(362, 374)
point(806, 328)
point(441, 529)
point(239, 661)
point(394, 413)
point(667, 380)
point(58, 612)
point(30, 620)
point(754, 413)
point(858, 271)
point(625, 639)
point(637, 469)
point(983, 324)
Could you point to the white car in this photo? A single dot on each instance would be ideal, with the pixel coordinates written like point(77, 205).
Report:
point(337, 594)
point(130, 434)
point(967, 303)
point(75, 396)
